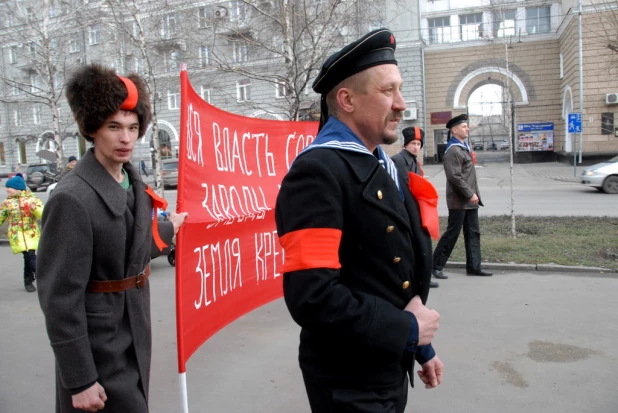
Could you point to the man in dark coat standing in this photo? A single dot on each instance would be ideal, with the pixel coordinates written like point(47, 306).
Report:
point(94, 253)
point(357, 259)
point(463, 200)
point(407, 160)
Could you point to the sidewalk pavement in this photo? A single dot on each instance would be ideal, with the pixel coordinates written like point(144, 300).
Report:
point(520, 341)
point(550, 170)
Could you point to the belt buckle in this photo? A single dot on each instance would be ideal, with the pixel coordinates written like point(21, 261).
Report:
point(139, 279)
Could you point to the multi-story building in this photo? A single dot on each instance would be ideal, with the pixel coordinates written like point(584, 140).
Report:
point(469, 45)
point(236, 54)
point(239, 60)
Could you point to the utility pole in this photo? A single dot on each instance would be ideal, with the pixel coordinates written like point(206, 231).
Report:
point(512, 145)
point(581, 86)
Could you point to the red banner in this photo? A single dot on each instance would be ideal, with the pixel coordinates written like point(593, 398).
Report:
point(228, 257)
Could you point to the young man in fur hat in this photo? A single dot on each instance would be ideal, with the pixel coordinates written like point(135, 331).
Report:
point(407, 160)
point(94, 253)
point(357, 259)
point(463, 201)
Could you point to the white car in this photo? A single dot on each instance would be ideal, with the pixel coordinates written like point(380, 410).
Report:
point(603, 176)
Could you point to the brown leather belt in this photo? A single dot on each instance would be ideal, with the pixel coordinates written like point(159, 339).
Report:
point(137, 281)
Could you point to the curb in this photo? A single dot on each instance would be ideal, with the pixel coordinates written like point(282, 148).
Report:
point(534, 267)
point(4, 241)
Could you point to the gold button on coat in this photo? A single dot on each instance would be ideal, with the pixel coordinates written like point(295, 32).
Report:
point(396, 260)
point(405, 285)
point(390, 228)
point(379, 194)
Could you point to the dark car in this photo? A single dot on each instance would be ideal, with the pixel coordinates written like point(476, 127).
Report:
point(170, 172)
point(37, 175)
point(477, 146)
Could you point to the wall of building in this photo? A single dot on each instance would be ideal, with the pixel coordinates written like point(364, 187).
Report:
point(536, 64)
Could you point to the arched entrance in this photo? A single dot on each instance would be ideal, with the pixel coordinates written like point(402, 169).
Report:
point(489, 95)
point(490, 75)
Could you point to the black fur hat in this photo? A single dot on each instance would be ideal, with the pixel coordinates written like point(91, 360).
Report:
point(95, 93)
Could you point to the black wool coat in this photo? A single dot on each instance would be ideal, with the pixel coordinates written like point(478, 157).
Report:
point(354, 331)
point(89, 233)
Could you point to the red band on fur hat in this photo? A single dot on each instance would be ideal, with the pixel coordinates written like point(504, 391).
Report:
point(131, 101)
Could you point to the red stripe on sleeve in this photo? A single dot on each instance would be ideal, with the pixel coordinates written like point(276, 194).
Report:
point(310, 248)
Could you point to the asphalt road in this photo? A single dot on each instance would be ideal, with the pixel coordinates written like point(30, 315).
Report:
point(516, 342)
point(539, 189)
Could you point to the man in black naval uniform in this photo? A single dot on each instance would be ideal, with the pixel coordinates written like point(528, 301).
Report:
point(463, 201)
point(357, 259)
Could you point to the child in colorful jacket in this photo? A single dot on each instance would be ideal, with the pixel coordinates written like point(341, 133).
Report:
point(22, 209)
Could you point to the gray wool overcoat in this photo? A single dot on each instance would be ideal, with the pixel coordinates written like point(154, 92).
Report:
point(461, 181)
point(90, 233)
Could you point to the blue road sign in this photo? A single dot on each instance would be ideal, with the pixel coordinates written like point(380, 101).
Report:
point(575, 123)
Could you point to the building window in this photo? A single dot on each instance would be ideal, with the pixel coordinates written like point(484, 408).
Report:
point(281, 90)
point(203, 17)
point(172, 60)
point(15, 90)
point(538, 20)
point(22, 153)
point(204, 56)
point(2, 154)
point(32, 49)
point(471, 26)
point(36, 112)
point(30, 14)
point(205, 93)
point(54, 9)
point(74, 45)
point(439, 30)
point(243, 90)
point(17, 118)
point(561, 66)
point(13, 55)
point(94, 33)
point(57, 79)
point(35, 83)
point(170, 25)
point(114, 65)
point(240, 52)
point(139, 65)
point(136, 30)
point(173, 99)
point(237, 10)
point(505, 23)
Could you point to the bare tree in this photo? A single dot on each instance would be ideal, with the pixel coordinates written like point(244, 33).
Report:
point(278, 42)
point(42, 49)
point(503, 28)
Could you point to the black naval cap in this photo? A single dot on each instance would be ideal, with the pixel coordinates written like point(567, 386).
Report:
point(456, 121)
point(373, 49)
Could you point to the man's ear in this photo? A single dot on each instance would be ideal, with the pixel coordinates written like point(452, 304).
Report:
point(345, 99)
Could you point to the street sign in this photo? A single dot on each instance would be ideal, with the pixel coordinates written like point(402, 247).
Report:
point(575, 123)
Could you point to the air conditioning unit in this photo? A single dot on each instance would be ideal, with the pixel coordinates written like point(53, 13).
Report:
point(409, 114)
point(220, 12)
point(611, 98)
